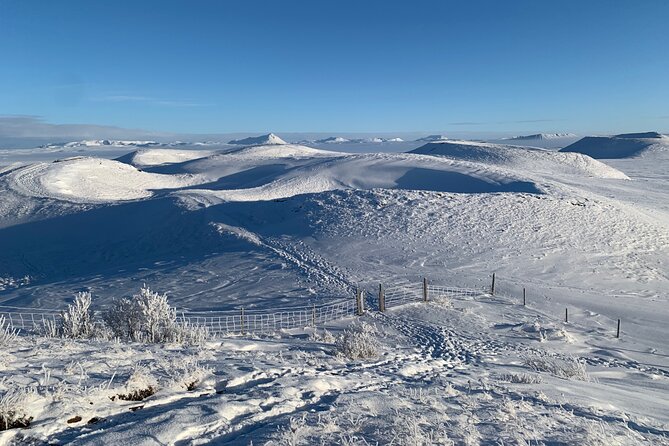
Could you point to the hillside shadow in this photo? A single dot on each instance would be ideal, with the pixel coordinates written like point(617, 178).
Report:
point(455, 182)
point(106, 238)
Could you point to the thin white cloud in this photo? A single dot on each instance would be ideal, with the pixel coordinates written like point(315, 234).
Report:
point(148, 100)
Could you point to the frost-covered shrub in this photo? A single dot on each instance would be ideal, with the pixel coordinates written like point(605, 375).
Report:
point(188, 334)
point(77, 320)
point(148, 317)
point(13, 412)
point(358, 341)
point(158, 319)
point(569, 368)
point(324, 336)
point(7, 334)
point(123, 320)
point(184, 372)
point(48, 328)
point(141, 384)
point(410, 430)
point(521, 378)
point(294, 434)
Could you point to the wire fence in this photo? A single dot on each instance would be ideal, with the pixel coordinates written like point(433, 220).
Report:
point(249, 321)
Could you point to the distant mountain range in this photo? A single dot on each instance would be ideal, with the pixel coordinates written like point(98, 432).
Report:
point(433, 138)
point(541, 136)
point(100, 143)
point(342, 140)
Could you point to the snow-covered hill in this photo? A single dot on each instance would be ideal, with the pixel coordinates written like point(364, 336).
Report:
point(273, 227)
point(182, 182)
point(267, 139)
point(521, 159)
point(629, 145)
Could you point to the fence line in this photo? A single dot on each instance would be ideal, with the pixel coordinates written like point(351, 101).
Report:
point(258, 321)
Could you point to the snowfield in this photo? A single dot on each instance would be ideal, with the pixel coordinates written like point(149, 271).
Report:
point(269, 226)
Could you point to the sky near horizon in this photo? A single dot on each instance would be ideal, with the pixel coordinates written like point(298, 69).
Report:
point(338, 66)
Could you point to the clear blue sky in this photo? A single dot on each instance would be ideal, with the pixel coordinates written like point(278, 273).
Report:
point(225, 66)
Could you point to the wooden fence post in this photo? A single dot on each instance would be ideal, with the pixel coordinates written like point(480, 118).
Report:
point(618, 330)
point(492, 288)
point(382, 299)
point(566, 314)
point(313, 316)
point(358, 301)
point(241, 319)
point(524, 302)
point(424, 289)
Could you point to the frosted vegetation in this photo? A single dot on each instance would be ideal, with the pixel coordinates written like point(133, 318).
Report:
point(145, 317)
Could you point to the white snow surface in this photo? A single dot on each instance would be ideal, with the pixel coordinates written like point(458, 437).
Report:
point(275, 226)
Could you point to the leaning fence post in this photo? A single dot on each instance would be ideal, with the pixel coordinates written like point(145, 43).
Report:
point(618, 330)
point(492, 288)
point(424, 289)
point(524, 297)
point(241, 319)
point(358, 301)
point(382, 299)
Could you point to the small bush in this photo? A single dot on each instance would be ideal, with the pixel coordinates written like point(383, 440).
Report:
point(48, 328)
point(294, 434)
point(358, 342)
point(185, 372)
point(325, 336)
point(12, 410)
point(137, 394)
point(187, 334)
point(148, 317)
point(521, 378)
point(77, 320)
point(570, 368)
point(140, 385)
point(8, 335)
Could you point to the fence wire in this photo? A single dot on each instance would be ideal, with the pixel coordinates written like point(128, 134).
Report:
point(254, 321)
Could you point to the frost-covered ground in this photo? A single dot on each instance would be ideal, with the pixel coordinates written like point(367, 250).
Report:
point(287, 225)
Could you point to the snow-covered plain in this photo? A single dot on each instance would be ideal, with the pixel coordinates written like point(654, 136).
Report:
point(283, 225)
